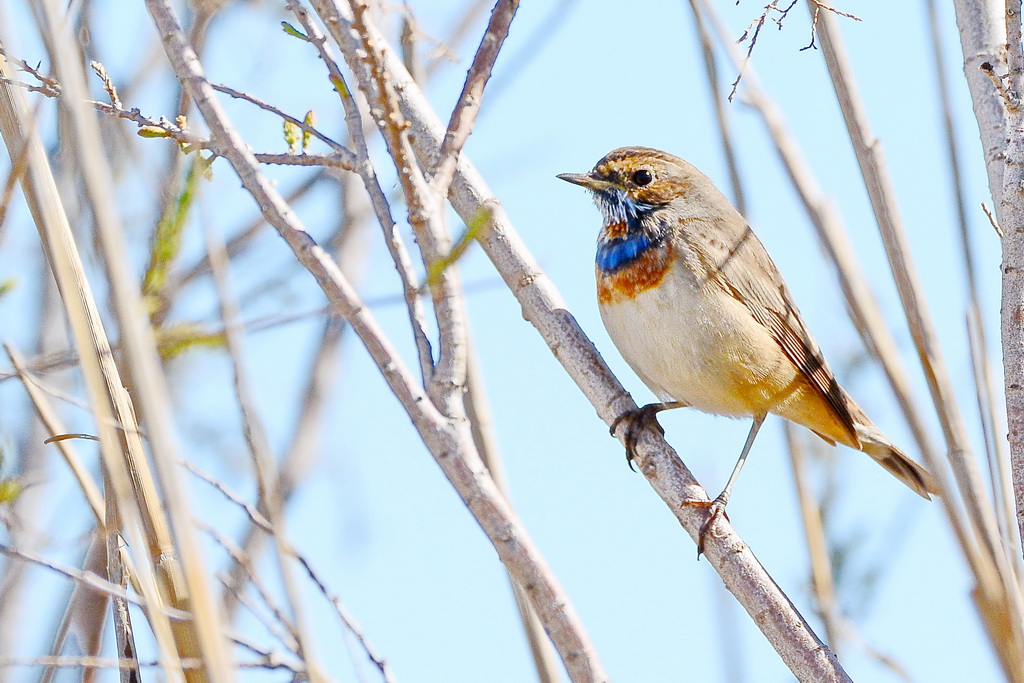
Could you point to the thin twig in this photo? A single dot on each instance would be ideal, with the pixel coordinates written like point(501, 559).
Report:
point(283, 628)
point(48, 85)
point(768, 12)
point(243, 561)
point(757, 24)
point(83, 662)
point(256, 517)
point(707, 50)
point(259, 449)
point(162, 128)
point(266, 106)
point(445, 51)
point(992, 220)
point(108, 83)
point(817, 549)
point(86, 579)
point(349, 622)
point(464, 115)
point(426, 213)
point(392, 238)
point(53, 424)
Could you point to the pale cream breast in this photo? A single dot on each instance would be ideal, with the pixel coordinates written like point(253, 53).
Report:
point(698, 345)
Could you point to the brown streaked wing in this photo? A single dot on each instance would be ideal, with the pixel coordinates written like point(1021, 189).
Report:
point(759, 286)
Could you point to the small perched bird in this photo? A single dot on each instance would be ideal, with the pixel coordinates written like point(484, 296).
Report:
point(700, 312)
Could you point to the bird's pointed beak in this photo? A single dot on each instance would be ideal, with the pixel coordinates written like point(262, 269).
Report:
point(586, 180)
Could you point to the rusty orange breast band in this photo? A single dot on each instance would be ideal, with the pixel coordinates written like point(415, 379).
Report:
point(642, 273)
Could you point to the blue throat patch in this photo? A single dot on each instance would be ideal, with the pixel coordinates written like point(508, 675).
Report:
point(619, 253)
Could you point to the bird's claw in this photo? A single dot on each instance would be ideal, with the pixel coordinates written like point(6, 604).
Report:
point(716, 510)
point(636, 421)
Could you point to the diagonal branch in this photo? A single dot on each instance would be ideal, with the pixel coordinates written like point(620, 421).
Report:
point(774, 614)
point(448, 440)
point(465, 112)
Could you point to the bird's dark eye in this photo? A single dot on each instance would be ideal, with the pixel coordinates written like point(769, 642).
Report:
point(642, 177)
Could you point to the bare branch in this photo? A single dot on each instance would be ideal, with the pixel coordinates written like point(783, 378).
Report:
point(392, 238)
point(300, 123)
point(448, 440)
point(87, 579)
point(271, 662)
point(1014, 55)
point(778, 15)
point(349, 622)
point(426, 212)
point(108, 84)
point(48, 85)
point(465, 112)
point(283, 628)
point(707, 50)
point(792, 637)
point(162, 128)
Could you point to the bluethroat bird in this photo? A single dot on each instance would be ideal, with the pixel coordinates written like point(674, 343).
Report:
point(698, 309)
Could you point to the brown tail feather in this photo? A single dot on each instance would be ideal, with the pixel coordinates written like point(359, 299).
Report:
point(898, 464)
point(874, 443)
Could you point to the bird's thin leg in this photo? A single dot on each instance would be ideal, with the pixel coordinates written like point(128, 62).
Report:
point(639, 419)
point(717, 506)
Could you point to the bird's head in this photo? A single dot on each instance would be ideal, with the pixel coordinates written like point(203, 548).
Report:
point(630, 183)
